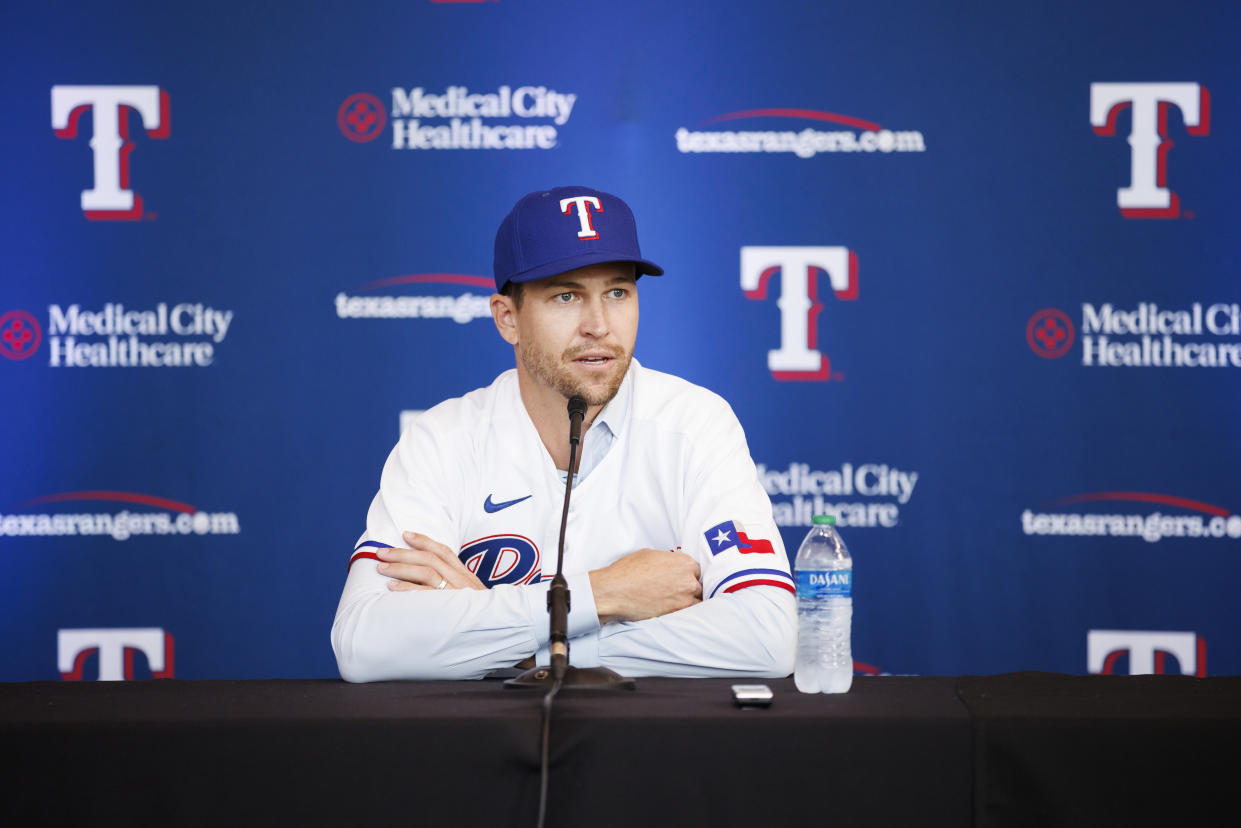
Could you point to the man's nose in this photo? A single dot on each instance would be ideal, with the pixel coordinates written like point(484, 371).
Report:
point(594, 321)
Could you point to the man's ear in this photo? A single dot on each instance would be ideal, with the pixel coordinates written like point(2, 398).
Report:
point(504, 314)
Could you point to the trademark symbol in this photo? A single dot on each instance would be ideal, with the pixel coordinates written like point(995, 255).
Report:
point(152, 215)
point(1188, 214)
point(838, 376)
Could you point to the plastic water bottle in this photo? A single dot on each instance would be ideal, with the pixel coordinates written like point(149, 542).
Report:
point(824, 611)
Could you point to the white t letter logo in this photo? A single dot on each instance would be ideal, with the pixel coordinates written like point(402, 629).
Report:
point(111, 197)
point(1146, 651)
point(797, 357)
point(584, 204)
point(116, 649)
point(1147, 195)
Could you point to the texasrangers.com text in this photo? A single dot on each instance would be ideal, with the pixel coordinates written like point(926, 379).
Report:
point(121, 525)
point(461, 309)
point(1151, 528)
point(804, 144)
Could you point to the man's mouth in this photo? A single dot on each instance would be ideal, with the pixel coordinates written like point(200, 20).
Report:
point(593, 357)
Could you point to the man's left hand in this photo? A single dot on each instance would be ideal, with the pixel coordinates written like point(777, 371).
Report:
point(426, 564)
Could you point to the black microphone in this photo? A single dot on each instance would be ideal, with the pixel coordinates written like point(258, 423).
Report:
point(558, 593)
point(577, 413)
point(558, 597)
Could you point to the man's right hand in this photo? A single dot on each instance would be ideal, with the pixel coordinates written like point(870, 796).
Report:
point(646, 584)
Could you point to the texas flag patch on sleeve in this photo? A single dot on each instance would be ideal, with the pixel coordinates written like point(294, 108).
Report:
point(726, 535)
point(757, 571)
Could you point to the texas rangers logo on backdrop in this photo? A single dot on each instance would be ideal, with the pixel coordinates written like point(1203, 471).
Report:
point(1148, 194)
point(798, 357)
point(117, 650)
point(1148, 651)
point(111, 196)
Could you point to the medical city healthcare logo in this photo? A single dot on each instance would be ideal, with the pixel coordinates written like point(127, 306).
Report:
point(1146, 335)
point(20, 335)
point(111, 197)
point(1149, 104)
point(361, 117)
point(158, 516)
point(862, 136)
point(1050, 333)
point(459, 307)
point(863, 495)
point(1131, 515)
point(506, 118)
point(167, 335)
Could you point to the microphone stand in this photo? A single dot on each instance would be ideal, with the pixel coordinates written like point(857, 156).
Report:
point(561, 672)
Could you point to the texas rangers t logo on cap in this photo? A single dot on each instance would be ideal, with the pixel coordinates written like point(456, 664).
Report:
point(538, 238)
point(583, 204)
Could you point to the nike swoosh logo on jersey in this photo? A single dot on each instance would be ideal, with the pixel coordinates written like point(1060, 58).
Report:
point(490, 507)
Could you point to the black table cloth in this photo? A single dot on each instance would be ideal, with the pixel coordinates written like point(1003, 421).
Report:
point(1019, 749)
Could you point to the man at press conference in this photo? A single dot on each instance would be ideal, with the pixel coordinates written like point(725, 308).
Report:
point(671, 554)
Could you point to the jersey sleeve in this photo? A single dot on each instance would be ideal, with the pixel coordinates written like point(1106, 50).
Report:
point(417, 492)
point(381, 635)
point(746, 623)
point(729, 527)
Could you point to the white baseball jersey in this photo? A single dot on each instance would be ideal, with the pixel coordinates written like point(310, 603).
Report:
point(473, 474)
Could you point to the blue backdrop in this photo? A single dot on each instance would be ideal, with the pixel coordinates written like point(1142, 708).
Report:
point(993, 247)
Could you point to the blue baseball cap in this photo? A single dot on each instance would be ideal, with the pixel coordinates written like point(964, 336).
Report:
point(553, 231)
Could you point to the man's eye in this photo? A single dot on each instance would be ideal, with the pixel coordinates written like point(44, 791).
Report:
point(619, 293)
point(563, 298)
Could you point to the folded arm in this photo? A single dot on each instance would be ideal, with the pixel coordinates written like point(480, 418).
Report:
point(381, 634)
point(643, 615)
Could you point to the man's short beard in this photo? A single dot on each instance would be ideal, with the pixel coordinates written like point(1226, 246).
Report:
point(555, 374)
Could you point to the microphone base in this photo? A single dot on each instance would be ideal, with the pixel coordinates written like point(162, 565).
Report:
point(575, 678)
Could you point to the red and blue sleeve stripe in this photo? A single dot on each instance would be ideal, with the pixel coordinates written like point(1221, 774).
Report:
point(755, 577)
point(366, 549)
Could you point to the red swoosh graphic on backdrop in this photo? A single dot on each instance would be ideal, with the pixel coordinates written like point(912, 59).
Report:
point(797, 113)
point(420, 278)
point(1146, 497)
point(124, 497)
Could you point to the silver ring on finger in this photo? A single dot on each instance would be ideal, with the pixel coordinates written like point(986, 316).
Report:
point(443, 583)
